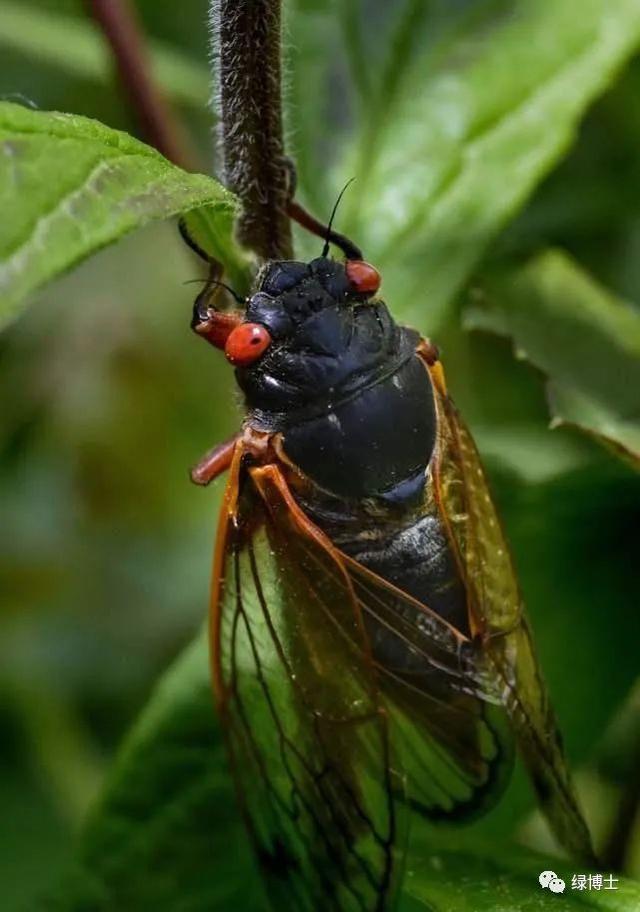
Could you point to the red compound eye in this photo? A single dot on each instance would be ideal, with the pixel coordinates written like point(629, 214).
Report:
point(364, 278)
point(246, 343)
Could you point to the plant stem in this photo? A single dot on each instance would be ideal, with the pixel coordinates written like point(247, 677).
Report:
point(246, 39)
point(159, 125)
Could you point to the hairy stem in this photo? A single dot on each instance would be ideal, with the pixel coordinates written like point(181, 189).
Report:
point(158, 123)
point(246, 42)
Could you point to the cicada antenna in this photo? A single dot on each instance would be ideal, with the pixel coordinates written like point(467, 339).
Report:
point(234, 294)
point(327, 239)
point(300, 215)
point(215, 268)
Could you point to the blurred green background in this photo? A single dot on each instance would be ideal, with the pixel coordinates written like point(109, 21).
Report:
point(107, 398)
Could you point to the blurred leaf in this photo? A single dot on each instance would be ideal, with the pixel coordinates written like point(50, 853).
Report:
point(75, 46)
point(476, 121)
point(620, 748)
point(584, 340)
point(564, 213)
point(167, 835)
point(354, 40)
point(32, 829)
point(316, 121)
point(528, 450)
point(73, 185)
point(618, 766)
point(500, 879)
point(64, 754)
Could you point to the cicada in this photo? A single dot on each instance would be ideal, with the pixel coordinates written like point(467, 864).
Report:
point(370, 653)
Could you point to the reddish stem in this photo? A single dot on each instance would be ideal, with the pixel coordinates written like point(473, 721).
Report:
point(159, 125)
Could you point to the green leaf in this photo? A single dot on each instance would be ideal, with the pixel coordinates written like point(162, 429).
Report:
point(585, 341)
point(529, 451)
point(501, 880)
point(475, 120)
point(213, 231)
point(167, 835)
point(69, 186)
point(75, 46)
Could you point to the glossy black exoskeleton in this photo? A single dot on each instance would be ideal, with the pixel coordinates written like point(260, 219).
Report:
point(343, 385)
point(340, 381)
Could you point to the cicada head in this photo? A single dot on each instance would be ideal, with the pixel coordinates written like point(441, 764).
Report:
point(289, 293)
point(326, 329)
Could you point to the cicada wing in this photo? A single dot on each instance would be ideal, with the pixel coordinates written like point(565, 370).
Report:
point(496, 611)
point(448, 731)
point(306, 731)
point(513, 660)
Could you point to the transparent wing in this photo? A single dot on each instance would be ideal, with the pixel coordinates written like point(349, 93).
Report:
point(306, 730)
point(449, 730)
point(507, 662)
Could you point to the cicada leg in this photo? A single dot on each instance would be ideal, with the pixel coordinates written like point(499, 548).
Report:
point(215, 462)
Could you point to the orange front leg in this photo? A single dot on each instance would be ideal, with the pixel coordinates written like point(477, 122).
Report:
point(215, 462)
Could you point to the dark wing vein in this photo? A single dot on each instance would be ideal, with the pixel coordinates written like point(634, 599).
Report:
point(308, 744)
point(508, 658)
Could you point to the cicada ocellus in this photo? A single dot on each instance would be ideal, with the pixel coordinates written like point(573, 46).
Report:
point(370, 650)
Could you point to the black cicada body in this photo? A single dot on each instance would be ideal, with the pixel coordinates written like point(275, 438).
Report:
point(369, 648)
